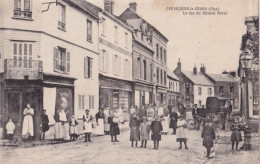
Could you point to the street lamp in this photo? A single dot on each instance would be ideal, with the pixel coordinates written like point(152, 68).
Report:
point(246, 60)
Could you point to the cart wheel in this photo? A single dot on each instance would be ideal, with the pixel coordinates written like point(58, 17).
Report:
point(190, 124)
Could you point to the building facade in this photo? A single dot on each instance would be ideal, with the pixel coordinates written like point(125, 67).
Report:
point(173, 92)
point(158, 43)
point(47, 60)
point(115, 59)
point(225, 86)
point(195, 87)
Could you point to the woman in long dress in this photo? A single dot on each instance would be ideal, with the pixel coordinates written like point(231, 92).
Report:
point(181, 133)
point(28, 121)
point(59, 129)
point(87, 125)
point(106, 123)
point(100, 122)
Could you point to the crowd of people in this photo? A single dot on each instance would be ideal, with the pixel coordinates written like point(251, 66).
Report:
point(147, 122)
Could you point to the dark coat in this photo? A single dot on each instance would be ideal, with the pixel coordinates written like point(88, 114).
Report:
point(156, 128)
point(56, 117)
point(202, 112)
point(70, 122)
point(45, 122)
point(134, 129)
point(208, 135)
point(236, 134)
point(114, 128)
point(99, 115)
point(173, 121)
point(193, 111)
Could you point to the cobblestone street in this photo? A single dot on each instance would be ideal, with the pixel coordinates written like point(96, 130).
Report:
point(102, 150)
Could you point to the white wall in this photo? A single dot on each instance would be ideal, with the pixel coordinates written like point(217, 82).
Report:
point(204, 94)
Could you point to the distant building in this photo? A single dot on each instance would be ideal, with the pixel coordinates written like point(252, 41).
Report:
point(158, 41)
point(225, 86)
point(173, 92)
point(195, 87)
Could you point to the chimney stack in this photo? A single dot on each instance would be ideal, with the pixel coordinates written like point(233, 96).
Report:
point(195, 70)
point(109, 6)
point(133, 5)
point(179, 64)
point(203, 69)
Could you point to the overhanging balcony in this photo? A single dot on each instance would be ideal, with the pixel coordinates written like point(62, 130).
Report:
point(23, 69)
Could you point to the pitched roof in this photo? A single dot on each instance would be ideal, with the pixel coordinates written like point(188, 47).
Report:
point(172, 75)
point(222, 77)
point(199, 78)
point(86, 6)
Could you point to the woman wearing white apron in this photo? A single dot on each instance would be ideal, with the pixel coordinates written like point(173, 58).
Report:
point(106, 123)
point(28, 121)
point(100, 122)
point(87, 125)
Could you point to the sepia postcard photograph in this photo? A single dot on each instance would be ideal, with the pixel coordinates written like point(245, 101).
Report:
point(129, 82)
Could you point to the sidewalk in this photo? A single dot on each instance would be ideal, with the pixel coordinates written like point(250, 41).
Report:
point(50, 139)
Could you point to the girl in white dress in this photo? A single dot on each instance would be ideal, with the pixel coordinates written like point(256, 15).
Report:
point(181, 133)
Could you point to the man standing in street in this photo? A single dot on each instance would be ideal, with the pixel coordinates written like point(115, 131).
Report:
point(195, 115)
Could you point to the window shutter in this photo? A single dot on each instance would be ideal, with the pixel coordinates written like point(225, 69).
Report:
point(114, 64)
point(119, 65)
point(82, 101)
point(90, 67)
point(107, 62)
point(92, 101)
point(100, 60)
point(68, 62)
point(86, 66)
point(55, 60)
point(89, 101)
point(79, 102)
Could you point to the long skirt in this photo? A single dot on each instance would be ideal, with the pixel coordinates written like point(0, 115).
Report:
point(181, 134)
point(100, 127)
point(165, 125)
point(156, 137)
point(73, 130)
point(134, 134)
point(106, 125)
point(28, 125)
point(236, 136)
point(59, 131)
point(88, 127)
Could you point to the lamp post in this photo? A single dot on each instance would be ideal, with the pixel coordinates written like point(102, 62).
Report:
point(246, 64)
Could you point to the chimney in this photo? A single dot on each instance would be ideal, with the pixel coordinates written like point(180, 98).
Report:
point(203, 69)
point(133, 5)
point(179, 64)
point(195, 70)
point(109, 6)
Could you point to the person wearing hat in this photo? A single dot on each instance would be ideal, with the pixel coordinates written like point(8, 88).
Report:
point(87, 125)
point(208, 135)
point(44, 123)
point(113, 120)
point(144, 132)
point(236, 134)
point(134, 124)
point(100, 122)
point(181, 133)
point(156, 128)
point(173, 121)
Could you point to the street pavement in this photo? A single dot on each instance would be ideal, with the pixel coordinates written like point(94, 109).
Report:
point(102, 150)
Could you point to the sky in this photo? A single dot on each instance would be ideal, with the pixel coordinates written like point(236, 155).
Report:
point(213, 40)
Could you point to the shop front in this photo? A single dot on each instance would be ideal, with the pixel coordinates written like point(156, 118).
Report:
point(143, 95)
point(161, 95)
point(114, 93)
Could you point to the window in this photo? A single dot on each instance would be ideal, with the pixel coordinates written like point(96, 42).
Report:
point(161, 77)
point(161, 54)
point(81, 102)
point(116, 34)
point(231, 89)
point(91, 102)
point(126, 40)
point(164, 56)
point(199, 103)
point(157, 75)
point(22, 54)
point(88, 62)
point(221, 89)
point(199, 90)
point(255, 100)
point(165, 78)
point(157, 51)
point(151, 72)
point(61, 21)
point(209, 91)
point(22, 9)
point(89, 30)
point(104, 61)
point(144, 70)
point(127, 68)
point(61, 60)
point(103, 26)
point(187, 90)
point(116, 65)
point(138, 68)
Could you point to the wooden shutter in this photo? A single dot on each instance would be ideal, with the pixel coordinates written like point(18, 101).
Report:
point(30, 55)
point(68, 63)
point(89, 101)
point(107, 62)
point(92, 101)
point(55, 59)
point(90, 67)
point(79, 102)
point(82, 101)
point(86, 67)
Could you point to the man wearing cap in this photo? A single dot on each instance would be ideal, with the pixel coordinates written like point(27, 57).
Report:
point(208, 135)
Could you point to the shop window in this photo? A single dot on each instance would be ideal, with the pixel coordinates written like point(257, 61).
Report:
point(89, 30)
point(62, 17)
point(88, 64)
point(61, 60)
point(22, 9)
point(199, 90)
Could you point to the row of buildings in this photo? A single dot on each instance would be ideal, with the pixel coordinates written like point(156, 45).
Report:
point(74, 55)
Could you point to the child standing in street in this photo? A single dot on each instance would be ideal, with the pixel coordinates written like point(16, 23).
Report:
point(208, 135)
point(113, 120)
point(73, 130)
point(144, 132)
point(181, 133)
point(10, 127)
point(236, 134)
point(134, 130)
point(87, 125)
point(156, 128)
point(45, 123)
